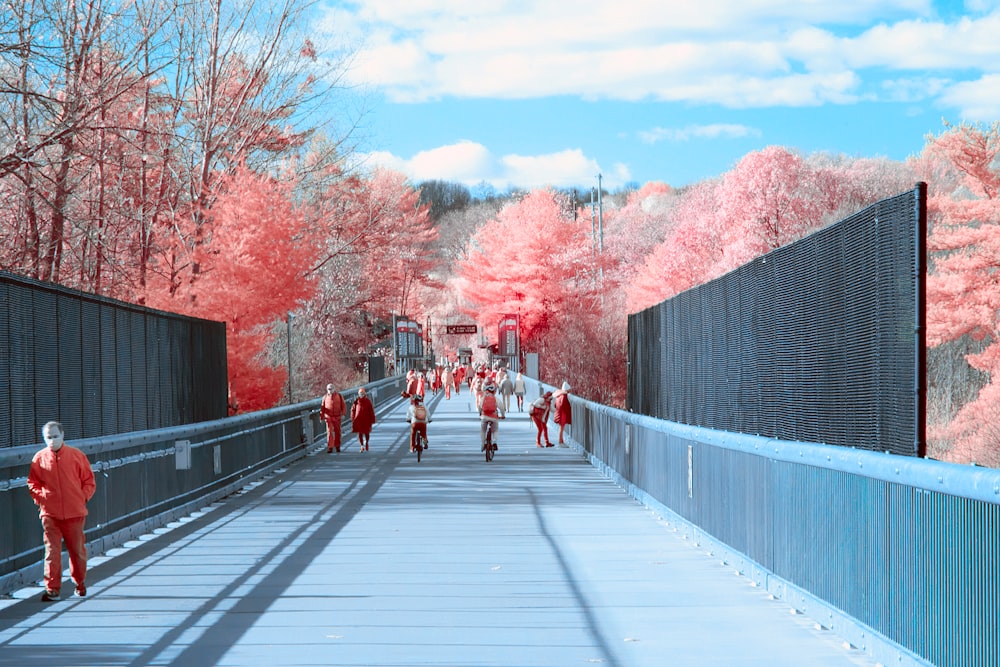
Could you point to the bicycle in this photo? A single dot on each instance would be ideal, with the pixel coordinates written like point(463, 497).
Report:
point(419, 444)
point(490, 447)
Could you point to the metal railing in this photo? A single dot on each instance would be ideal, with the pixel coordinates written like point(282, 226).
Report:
point(898, 555)
point(146, 479)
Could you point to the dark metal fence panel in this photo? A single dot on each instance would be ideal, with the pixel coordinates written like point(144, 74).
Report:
point(101, 366)
point(820, 340)
point(901, 553)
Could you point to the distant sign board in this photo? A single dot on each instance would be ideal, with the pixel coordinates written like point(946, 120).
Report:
point(461, 328)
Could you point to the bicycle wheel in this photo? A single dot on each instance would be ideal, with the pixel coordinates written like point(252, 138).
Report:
point(420, 446)
point(489, 444)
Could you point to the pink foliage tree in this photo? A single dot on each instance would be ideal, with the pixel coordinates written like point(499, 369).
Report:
point(689, 254)
point(377, 259)
point(531, 257)
point(535, 260)
point(963, 288)
point(770, 198)
point(767, 200)
point(256, 247)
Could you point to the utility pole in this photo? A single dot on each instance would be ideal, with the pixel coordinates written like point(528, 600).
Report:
point(600, 216)
point(288, 320)
point(593, 228)
point(395, 346)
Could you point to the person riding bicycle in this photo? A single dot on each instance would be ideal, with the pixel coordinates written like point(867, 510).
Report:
point(490, 410)
point(418, 417)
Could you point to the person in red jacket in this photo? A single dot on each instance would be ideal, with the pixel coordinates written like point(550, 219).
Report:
point(332, 411)
point(363, 418)
point(61, 482)
point(412, 384)
point(561, 408)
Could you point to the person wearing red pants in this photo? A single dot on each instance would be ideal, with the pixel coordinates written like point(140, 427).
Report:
point(540, 409)
point(332, 411)
point(61, 482)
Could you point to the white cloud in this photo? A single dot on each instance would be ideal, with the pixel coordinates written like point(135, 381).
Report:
point(734, 53)
point(376, 159)
point(976, 100)
point(713, 131)
point(565, 168)
point(471, 163)
point(913, 89)
point(462, 162)
point(795, 90)
point(926, 45)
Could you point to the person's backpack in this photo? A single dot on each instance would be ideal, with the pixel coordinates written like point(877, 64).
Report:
point(420, 413)
point(490, 405)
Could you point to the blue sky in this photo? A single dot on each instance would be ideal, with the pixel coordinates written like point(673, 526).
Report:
point(529, 93)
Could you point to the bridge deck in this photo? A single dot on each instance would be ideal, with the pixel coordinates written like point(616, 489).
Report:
point(375, 559)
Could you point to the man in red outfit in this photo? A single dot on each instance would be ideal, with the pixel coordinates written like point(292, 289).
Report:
point(332, 411)
point(61, 482)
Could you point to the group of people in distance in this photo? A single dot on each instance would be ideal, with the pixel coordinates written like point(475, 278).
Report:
point(491, 389)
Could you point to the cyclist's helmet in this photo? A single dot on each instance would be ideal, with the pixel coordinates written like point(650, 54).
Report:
point(492, 388)
point(417, 398)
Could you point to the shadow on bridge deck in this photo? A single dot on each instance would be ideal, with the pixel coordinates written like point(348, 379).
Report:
point(376, 559)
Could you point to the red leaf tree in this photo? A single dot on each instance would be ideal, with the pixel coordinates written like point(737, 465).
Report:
point(377, 259)
point(254, 256)
point(964, 285)
point(535, 260)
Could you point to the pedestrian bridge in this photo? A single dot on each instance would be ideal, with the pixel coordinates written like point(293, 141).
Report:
point(542, 557)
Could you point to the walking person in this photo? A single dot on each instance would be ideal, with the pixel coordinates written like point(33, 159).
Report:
point(519, 388)
point(539, 413)
point(332, 411)
point(363, 418)
point(506, 388)
point(563, 411)
point(447, 379)
point(476, 387)
point(61, 482)
point(412, 384)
